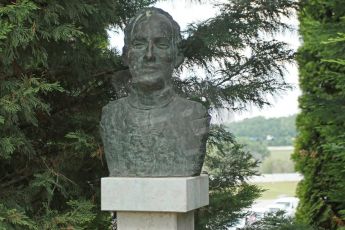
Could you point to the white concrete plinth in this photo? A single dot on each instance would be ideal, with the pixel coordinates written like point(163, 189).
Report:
point(164, 203)
point(155, 221)
point(158, 194)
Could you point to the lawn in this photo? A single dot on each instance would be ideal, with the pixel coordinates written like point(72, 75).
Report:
point(279, 161)
point(281, 154)
point(276, 189)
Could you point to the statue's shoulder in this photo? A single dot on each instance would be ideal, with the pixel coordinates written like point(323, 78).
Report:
point(193, 108)
point(196, 114)
point(113, 106)
point(113, 111)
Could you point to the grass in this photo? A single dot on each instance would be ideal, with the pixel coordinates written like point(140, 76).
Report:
point(281, 154)
point(279, 161)
point(276, 189)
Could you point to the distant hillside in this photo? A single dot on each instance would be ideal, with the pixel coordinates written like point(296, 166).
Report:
point(272, 131)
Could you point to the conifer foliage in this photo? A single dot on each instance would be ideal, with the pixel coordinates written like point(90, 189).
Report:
point(54, 58)
point(320, 146)
point(56, 73)
point(238, 52)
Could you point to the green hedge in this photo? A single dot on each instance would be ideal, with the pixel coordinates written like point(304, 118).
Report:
point(320, 145)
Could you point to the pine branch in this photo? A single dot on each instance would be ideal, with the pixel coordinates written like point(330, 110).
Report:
point(15, 181)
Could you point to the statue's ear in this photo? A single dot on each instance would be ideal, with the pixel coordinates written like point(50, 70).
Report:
point(125, 56)
point(179, 58)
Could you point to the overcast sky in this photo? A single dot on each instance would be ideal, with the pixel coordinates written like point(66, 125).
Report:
point(185, 12)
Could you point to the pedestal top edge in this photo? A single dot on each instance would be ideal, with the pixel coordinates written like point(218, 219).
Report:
point(157, 178)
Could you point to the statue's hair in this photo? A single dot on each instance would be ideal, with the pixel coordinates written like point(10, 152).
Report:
point(141, 15)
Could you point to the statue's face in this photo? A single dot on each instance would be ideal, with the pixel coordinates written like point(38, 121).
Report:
point(151, 52)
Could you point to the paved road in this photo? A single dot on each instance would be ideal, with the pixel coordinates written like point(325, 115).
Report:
point(280, 148)
point(276, 177)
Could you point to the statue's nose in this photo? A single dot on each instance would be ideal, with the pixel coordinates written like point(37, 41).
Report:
point(149, 56)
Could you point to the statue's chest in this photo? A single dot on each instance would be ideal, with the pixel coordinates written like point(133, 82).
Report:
point(149, 129)
point(145, 121)
point(152, 142)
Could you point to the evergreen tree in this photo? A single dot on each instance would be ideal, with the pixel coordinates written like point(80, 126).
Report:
point(54, 60)
point(56, 73)
point(320, 149)
point(229, 167)
point(278, 221)
point(234, 80)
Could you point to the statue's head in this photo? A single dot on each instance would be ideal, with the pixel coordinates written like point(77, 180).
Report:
point(152, 49)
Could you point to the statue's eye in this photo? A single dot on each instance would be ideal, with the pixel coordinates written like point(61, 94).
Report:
point(163, 43)
point(138, 44)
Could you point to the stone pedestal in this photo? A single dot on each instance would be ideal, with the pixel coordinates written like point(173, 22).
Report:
point(164, 203)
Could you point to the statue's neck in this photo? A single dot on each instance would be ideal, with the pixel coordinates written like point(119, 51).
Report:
point(149, 99)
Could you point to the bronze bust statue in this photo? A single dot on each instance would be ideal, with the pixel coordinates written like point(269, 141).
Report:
point(153, 132)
